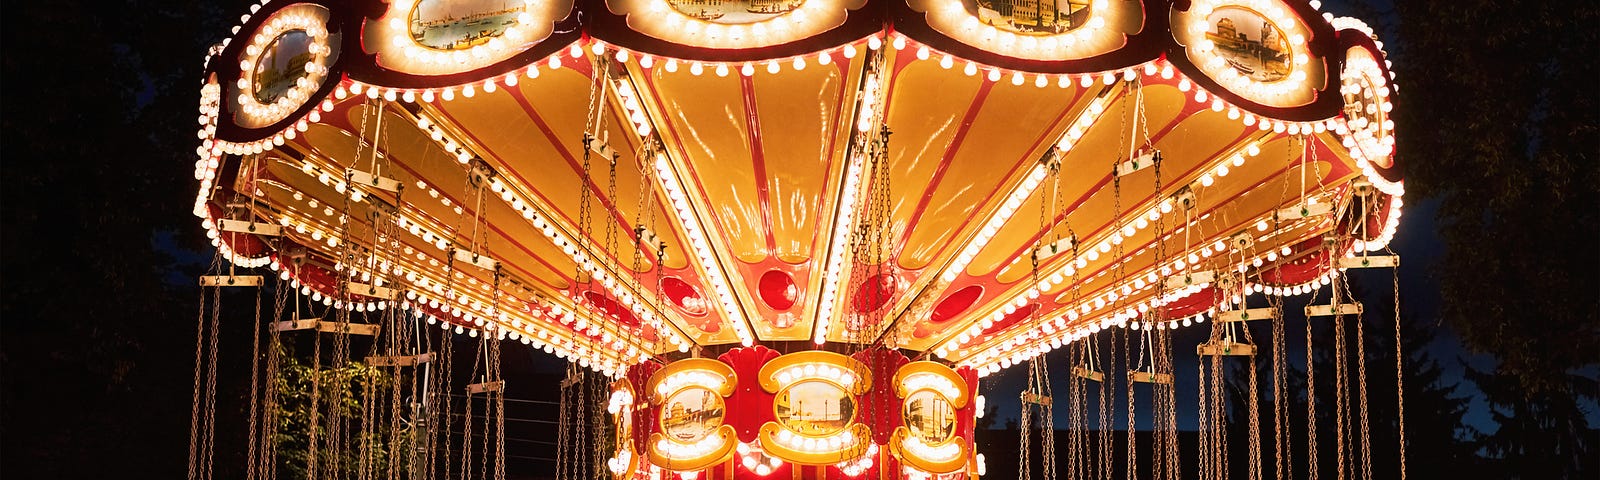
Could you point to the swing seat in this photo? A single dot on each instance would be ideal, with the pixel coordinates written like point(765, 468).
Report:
point(374, 181)
point(1333, 309)
point(1225, 348)
point(400, 360)
point(230, 281)
point(1088, 374)
point(1136, 376)
point(1247, 315)
point(258, 228)
point(485, 387)
point(1373, 261)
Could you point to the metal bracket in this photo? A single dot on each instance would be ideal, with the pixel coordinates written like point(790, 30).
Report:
point(1333, 309)
point(1373, 261)
point(486, 387)
point(1302, 211)
point(400, 361)
point(1243, 241)
point(296, 324)
point(474, 259)
point(230, 281)
point(374, 181)
point(367, 329)
point(1145, 159)
point(258, 228)
point(1247, 315)
point(1225, 348)
point(373, 291)
point(1136, 376)
point(1050, 249)
point(1192, 278)
point(1088, 374)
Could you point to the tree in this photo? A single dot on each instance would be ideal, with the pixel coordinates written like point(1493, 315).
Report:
point(1497, 117)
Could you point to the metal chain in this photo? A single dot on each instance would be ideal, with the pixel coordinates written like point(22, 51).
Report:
point(1399, 373)
point(1312, 467)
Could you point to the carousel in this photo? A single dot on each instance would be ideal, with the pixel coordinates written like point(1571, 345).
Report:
point(785, 238)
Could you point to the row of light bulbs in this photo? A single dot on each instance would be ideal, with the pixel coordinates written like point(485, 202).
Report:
point(795, 373)
point(508, 194)
point(937, 383)
point(1087, 255)
point(1120, 317)
point(695, 232)
point(869, 112)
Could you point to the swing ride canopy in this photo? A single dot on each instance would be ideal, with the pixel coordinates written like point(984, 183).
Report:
point(616, 181)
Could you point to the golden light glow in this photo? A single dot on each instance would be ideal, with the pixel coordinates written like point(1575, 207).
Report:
point(1256, 49)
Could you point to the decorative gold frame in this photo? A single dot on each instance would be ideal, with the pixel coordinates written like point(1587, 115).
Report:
point(902, 435)
point(725, 433)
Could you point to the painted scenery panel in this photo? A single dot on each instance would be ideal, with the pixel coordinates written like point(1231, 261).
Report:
point(692, 414)
point(930, 417)
point(462, 24)
point(734, 11)
point(1253, 46)
point(1030, 17)
point(815, 407)
point(283, 63)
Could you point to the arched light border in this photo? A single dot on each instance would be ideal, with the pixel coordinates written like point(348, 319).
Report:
point(389, 36)
point(1305, 79)
point(1110, 23)
point(678, 376)
point(621, 404)
point(313, 19)
point(849, 374)
point(936, 378)
point(657, 19)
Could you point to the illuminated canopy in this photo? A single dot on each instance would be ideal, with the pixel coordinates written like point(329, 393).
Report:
point(450, 138)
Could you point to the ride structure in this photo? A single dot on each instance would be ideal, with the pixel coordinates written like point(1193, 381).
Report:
point(789, 240)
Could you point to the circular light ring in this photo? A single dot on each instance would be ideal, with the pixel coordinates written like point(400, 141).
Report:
point(389, 36)
point(660, 20)
point(1105, 29)
point(312, 20)
point(1193, 29)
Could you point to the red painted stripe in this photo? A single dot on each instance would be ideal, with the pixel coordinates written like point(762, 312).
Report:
point(949, 154)
point(1043, 136)
point(758, 158)
point(1107, 179)
point(577, 168)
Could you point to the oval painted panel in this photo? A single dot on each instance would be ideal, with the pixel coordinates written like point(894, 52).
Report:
point(281, 66)
point(874, 293)
point(734, 11)
point(684, 296)
point(1030, 17)
point(1255, 47)
point(462, 24)
point(778, 290)
point(814, 407)
point(691, 414)
point(955, 303)
point(929, 416)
